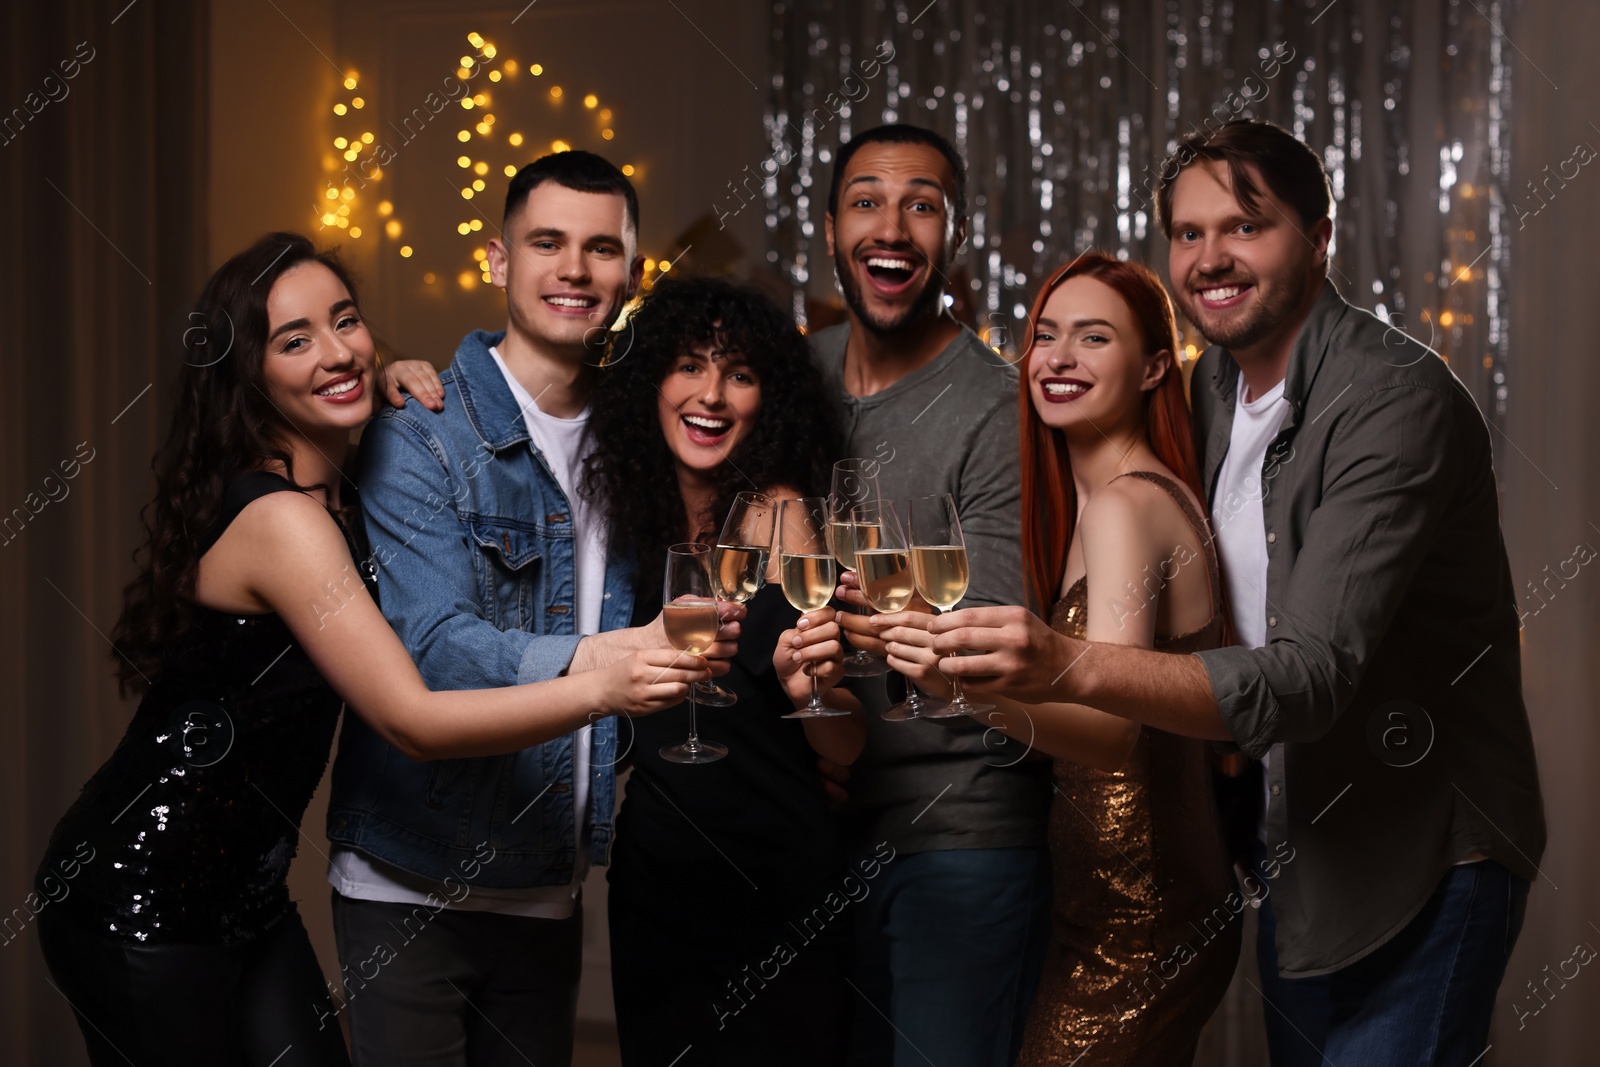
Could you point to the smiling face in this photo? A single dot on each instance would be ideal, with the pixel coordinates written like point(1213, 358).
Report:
point(709, 402)
point(1240, 276)
point(318, 364)
point(1087, 366)
point(894, 234)
point(568, 265)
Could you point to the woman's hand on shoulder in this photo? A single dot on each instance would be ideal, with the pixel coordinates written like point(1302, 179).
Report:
point(417, 377)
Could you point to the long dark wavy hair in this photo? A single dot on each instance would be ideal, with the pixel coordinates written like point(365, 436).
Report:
point(631, 471)
point(223, 425)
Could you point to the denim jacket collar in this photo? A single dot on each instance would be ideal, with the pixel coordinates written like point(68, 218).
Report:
point(491, 409)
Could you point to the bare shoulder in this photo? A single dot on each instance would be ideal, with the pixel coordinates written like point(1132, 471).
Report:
point(1125, 507)
point(278, 525)
point(274, 540)
point(1139, 514)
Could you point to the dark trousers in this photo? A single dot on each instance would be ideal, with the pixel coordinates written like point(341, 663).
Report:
point(429, 988)
point(1421, 1000)
point(699, 989)
point(949, 949)
point(262, 1003)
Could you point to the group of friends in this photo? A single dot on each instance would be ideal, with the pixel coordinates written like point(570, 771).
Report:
point(1250, 649)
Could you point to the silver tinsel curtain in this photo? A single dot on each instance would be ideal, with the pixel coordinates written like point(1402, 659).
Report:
point(1064, 110)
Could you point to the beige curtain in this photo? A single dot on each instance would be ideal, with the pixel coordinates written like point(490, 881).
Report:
point(1551, 504)
point(102, 189)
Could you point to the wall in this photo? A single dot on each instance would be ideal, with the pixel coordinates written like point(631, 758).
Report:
point(1547, 464)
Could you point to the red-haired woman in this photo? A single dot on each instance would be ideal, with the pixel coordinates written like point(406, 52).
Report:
point(1146, 931)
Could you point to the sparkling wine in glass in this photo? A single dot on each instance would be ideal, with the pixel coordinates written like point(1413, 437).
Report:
point(689, 614)
point(939, 566)
point(855, 481)
point(739, 568)
point(806, 570)
point(884, 570)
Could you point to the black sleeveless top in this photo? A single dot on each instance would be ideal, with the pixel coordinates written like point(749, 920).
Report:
point(185, 834)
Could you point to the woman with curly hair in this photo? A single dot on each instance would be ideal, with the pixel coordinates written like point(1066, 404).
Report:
point(724, 875)
point(250, 620)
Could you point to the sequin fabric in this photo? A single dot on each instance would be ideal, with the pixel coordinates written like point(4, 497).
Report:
point(1145, 936)
point(194, 819)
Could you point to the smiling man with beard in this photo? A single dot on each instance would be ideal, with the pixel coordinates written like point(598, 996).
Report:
point(950, 946)
point(1354, 502)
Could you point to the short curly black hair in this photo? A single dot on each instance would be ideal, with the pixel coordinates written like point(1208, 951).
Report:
point(630, 471)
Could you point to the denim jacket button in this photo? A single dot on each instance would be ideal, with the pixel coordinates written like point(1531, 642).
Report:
point(555, 517)
point(505, 539)
point(558, 609)
point(561, 787)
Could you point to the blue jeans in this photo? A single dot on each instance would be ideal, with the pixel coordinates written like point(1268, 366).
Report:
point(1423, 998)
point(948, 952)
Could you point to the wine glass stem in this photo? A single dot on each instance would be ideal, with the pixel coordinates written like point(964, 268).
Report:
point(694, 730)
point(957, 697)
point(816, 695)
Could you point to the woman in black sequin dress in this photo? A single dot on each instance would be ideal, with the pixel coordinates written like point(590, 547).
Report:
point(169, 926)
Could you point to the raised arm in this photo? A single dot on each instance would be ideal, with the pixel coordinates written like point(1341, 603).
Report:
point(288, 553)
point(1119, 546)
point(1388, 483)
point(425, 577)
point(1390, 480)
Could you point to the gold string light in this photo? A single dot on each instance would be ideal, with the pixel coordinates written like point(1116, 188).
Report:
point(342, 204)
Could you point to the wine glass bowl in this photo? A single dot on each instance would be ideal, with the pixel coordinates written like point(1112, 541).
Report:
point(855, 483)
point(689, 617)
point(940, 567)
point(884, 572)
point(806, 572)
point(739, 568)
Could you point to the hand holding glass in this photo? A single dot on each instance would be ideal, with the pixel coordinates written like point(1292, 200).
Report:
point(739, 568)
point(884, 572)
point(855, 482)
point(805, 567)
point(689, 615)
point(940, 568)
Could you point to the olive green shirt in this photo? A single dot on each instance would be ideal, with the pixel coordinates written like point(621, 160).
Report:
point(1389, 691)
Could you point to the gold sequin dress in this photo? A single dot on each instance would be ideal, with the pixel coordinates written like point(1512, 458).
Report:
point(1146, 929)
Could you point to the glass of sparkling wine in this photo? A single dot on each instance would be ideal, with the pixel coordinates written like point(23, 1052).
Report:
point(855, 481)
point(886, 582)
point(805, 567)
point(939, 567)
point(689, 612)
point(739, 568)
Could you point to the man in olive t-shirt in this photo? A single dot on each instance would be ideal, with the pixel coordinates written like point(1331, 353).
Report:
point(950, 942)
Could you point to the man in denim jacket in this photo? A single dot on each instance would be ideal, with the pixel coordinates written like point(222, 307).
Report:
point(456, 903)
